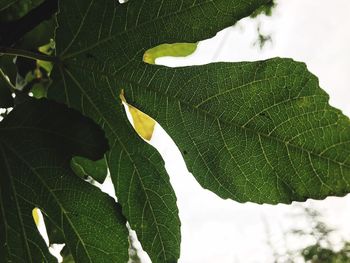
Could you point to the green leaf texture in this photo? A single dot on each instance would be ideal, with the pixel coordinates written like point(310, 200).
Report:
point(137, 170)
point(106, 35)
point(260, 132)
point(95, 169)
point(37, 141)
point(96, 41)
point(252, 131)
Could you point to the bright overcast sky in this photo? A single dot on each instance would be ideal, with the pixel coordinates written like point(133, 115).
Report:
point(215, 230)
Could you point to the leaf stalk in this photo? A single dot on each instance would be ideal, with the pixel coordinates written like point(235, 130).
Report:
point(26, 54)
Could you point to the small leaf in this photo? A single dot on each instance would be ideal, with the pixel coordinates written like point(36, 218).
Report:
point(48, 50)
point(39, 90)
point(95, 169)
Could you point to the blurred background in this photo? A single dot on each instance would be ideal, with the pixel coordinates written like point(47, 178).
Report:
point(224, 231)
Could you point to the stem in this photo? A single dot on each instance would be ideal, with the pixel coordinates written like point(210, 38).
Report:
point(27, 54)
point(7, 81)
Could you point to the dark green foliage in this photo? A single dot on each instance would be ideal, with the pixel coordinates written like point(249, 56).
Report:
point(6, 99)
point(265, 9)
point(319, 254)
point(260, 131)
point(86, 168)
point(4, 4)
point(37, 140)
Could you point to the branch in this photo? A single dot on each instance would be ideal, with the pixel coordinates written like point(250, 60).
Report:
point(11, 32)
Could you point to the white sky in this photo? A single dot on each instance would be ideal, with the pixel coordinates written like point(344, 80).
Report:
point(215, 230)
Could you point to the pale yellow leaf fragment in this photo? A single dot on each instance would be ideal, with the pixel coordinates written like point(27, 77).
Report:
point(36, 216)
point(143, 124)
point(172, 50)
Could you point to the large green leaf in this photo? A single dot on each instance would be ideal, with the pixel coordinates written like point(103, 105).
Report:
point(37, 141)
point(96, 40)
point(251, 131)
point(240, 125)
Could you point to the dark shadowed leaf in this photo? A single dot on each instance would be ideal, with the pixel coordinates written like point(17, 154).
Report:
point(37, 140)
point(6, 3)
point(6, 99)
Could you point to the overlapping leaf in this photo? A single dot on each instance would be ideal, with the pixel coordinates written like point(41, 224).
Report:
point(260, 132)
point(86, 168)
point(37, 140)
point(144, 124)
point(142, 185)
point(257, 131)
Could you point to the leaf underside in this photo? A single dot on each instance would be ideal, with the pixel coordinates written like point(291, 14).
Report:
point(252, 131)
point(37, 140)
point(86, 168)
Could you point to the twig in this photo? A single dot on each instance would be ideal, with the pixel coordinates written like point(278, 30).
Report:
point(27, 54)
